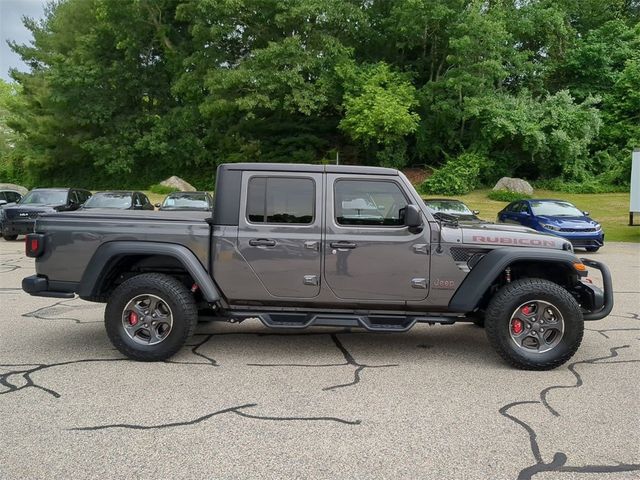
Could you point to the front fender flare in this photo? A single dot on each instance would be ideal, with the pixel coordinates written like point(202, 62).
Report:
point(470, 292)
point(107, 252)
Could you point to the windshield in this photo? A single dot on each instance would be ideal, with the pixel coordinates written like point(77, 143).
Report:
point(109, 200)
point(555, 208)
point(186, 201)
point(448, 206)
point(45, 197)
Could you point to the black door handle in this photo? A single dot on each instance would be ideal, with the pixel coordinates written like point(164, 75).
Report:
point(262, 242)
point(349, 245)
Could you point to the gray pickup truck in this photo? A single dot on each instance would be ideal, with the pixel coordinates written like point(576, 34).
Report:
point(313, 245)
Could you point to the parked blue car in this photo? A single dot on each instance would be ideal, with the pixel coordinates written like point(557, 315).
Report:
point(557, 217)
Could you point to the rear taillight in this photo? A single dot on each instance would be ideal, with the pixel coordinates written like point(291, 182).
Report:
point(34, 245)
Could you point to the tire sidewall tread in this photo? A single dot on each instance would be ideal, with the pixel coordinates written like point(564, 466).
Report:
point(504, 303)
point(174, 293)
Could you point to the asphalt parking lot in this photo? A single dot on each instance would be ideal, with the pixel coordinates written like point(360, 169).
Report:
point(243, 401)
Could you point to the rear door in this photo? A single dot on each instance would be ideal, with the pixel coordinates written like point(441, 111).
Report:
point(280, 229)
point(369, 253)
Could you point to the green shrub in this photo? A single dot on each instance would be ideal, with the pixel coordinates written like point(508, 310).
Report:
point(457, 176)
point(595, 185)
point(506, 196)
point(162, 190)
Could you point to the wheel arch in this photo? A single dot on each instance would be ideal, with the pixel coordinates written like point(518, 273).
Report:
point(543, 263)
point(114, 257)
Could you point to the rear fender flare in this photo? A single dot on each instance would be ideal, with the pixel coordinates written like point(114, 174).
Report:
point(486, 271)
point(92, 278)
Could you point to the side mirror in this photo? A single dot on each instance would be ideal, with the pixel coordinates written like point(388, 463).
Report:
point(3, 202)
point(586, 214)
point(476, 212)
point(412, 217)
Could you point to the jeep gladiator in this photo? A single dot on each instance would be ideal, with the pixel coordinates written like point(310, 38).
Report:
point(317, 245)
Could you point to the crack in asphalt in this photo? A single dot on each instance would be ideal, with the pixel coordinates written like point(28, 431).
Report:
point(26, 374)
point(8, 265)
point(349, 360)
point(194, 350)
point(579, 382)
point(558, 463)
point(235, 410)
point(40, 313)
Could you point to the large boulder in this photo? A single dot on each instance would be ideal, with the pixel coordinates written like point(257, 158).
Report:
point(517, 185)
point(180, 184)
point(13, 186)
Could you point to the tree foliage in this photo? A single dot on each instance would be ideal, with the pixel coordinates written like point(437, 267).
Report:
point(130, 91)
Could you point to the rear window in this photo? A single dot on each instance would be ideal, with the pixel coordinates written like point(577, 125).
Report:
point(109, 200)
point(281, 200)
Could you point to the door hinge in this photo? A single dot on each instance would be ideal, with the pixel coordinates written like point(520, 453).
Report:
point(310, 280)
point(419, 283)
point(422, 248)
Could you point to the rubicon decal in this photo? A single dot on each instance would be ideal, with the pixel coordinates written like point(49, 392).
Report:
point(532, 242)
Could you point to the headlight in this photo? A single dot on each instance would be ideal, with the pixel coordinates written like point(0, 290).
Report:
point(597, 226)
point(551, 227)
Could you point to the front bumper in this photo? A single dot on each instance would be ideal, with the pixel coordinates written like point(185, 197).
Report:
point(583, 240)
point(600, 299)
point(39, 287)
point(17, 227)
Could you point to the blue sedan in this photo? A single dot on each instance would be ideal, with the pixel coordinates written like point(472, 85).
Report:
point(557, 217)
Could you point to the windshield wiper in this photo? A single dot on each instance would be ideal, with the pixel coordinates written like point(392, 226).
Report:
point(446, 218)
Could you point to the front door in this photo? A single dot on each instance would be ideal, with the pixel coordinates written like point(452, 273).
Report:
point(280, 232)
point(369, 253)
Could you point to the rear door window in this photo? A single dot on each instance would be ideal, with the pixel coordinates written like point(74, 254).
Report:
point(281, 200)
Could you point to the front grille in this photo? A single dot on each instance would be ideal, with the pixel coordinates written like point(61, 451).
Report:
point(586, 243)
point(578, 230)
point(16, 214)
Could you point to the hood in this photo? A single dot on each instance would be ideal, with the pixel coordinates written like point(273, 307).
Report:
point(567, 222)
point(510, 235)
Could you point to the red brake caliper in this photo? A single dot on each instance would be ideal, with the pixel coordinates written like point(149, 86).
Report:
point(133, 319)
point(516, 326)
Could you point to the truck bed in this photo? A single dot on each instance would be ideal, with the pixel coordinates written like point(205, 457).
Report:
point(79, 234)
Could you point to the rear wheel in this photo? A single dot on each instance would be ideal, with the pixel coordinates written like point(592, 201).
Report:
point(10, 238)
point(592, 249)
point(149, 317)
point(534, 324)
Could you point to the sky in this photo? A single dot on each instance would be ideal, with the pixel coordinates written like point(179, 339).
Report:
point(11, 28)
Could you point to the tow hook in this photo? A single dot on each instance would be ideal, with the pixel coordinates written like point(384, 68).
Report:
point(194, 288)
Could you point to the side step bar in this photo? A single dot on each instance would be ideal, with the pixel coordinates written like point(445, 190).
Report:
point(372, 323)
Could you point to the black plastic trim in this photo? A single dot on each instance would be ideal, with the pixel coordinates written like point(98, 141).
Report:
point(476, 283)
point(226, 207)
point(297, 167)
point(106, 253)
point(39, 287)
point(608, 290)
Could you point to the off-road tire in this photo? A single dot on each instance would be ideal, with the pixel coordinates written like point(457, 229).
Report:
point(174, 294)
point(10, 238)
point(509, 298)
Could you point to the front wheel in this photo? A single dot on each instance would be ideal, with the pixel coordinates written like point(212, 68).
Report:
point(10, 238)
point(592, 249)
point(150, 316)
point(534, 324)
